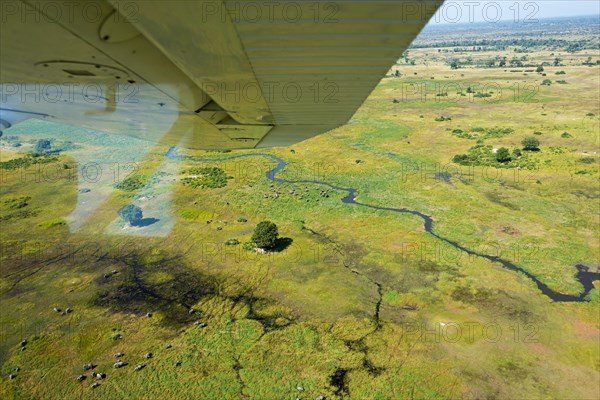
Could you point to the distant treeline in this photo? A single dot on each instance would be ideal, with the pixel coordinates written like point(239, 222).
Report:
point(502, 44)
point(568, 33)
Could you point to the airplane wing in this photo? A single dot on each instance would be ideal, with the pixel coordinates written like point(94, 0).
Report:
point(200, 74)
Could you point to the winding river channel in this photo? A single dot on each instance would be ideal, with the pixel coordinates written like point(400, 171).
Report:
point(584, 276)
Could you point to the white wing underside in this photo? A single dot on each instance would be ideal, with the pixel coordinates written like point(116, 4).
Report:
point(200, 74)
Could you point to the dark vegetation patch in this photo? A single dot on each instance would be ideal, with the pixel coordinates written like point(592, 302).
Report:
point(478, 133)
point(131, 183)
point(131, 286)
point(496, 303)
point(18, 215)
point(271, 321)
point(443, 176)
point(27, 161)
point(12, 140)
point(589, 193)
point(18, 202)
point(483, 155)
point(514, 370)
point(133, 289)
point(206, 178)
point(52, 146)
point(339, 382)
point(422, 274)
point(587, 160)
point(137, 181)
point(498, 198)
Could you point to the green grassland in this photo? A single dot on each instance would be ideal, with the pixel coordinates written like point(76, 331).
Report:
point(359, 303)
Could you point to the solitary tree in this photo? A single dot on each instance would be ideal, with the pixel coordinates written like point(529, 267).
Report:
point(42, 145)
point(539, 69)
point(265, 235)
point(503, 155)
point(131, 213)
point(531, 143)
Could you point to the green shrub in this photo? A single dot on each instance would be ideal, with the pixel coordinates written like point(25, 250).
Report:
point(530, 143)
point(479, 133)
point(18, 202)
point(42, 146)
point(249, 246)
point(206, 178)
point(131, 213)
point(483, 155)
point(131, 183)
point(28, 160)
point(517, 153)
point(265, 235)
point(460, 158)
point(587, 160)
point(503, 155)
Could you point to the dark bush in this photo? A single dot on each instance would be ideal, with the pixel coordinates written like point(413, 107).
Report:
point(131, 213)
point(531, 143)
point(265, 235)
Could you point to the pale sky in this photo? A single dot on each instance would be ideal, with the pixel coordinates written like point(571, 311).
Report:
point(461, 11)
